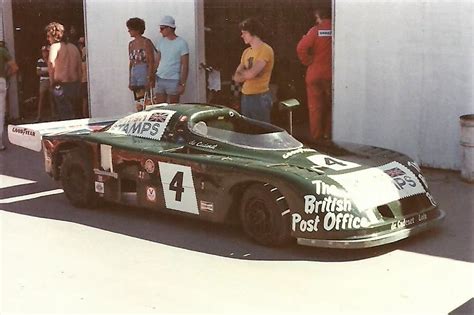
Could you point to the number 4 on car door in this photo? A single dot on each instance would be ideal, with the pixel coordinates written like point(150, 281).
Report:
point(178, 187)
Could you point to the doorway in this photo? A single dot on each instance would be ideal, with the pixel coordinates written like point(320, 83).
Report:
point(30, 19)
point(285, 22)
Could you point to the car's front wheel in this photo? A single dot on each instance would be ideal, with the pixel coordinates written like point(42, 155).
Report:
point(263, 216)
point(77, 179)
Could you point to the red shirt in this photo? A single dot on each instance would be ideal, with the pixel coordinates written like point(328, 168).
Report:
point(315, 51)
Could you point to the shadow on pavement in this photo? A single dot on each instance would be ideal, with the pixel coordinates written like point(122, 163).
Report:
point(453, 239)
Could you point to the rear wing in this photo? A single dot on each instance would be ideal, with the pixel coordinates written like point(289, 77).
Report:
point(30, 135)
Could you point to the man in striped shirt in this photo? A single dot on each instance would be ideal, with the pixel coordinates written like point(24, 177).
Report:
point(44, 84)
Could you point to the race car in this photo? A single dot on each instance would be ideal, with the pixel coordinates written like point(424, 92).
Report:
point(215, 164)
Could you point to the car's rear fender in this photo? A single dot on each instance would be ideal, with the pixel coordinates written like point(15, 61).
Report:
point(54, 153)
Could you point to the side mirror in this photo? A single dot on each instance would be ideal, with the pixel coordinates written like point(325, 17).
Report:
point(289, 104)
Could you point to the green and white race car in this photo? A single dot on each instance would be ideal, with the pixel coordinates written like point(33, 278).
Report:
point(211, 162)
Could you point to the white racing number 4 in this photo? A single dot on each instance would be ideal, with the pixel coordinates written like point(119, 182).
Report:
point(332, 163)
point(178, 187)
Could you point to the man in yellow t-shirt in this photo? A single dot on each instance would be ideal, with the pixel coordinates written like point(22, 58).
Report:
point(255, 71)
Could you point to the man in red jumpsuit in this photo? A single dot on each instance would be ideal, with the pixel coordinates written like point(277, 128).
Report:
point(315, 51)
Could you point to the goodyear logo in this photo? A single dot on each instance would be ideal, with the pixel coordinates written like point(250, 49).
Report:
point(24, 131)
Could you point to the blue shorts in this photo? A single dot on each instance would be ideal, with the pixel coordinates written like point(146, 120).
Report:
point(138, 75)
point(257, 106)
point(167, 86)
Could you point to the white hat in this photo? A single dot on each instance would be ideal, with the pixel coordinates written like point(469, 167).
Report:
point(167, 21)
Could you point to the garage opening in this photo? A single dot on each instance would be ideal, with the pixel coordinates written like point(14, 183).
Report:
point(285, 23)
point(30, 19)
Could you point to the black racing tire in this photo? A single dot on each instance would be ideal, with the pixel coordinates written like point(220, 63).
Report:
point(77, 179)
point(263, 217)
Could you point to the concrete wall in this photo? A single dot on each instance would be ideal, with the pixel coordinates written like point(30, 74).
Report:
point(108, 39)
point(403, 74)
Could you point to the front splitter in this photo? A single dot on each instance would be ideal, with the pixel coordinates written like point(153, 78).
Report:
point(373, 240)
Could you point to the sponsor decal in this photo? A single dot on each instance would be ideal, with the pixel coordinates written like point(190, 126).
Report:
point(402, 223)
point(151, 194)
point(99, 187)
point(373, 187)
point(405, 181)
point(407, 222)
point(324, 33)
point(146, 124)
point(149, 166)
point(332, 210)
point(206, 206)
point(331, 222)
point(327, 204)
point(24, 131)
point(297, 151)
point(327, 161)
point(203, 145)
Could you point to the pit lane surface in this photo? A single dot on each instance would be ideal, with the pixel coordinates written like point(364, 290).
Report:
point(59, 259)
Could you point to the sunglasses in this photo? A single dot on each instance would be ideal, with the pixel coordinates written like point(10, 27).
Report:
point(163, 27)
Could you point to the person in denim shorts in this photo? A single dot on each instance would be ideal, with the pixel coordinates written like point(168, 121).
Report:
point(255, 71)
point(141, 55)
point(172, 63)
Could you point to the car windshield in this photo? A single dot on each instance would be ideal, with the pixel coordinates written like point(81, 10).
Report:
point(241, 131)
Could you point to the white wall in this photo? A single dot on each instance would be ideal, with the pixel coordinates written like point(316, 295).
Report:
point(107, 40)
point(403, 74)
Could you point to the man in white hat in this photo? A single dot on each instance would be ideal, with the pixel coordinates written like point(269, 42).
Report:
point(172, 63)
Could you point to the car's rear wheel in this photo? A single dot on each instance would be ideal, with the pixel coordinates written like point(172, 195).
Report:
point(263, 215)
point(77, 179)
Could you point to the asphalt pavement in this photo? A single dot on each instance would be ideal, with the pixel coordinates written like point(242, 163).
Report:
point(59, 259)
